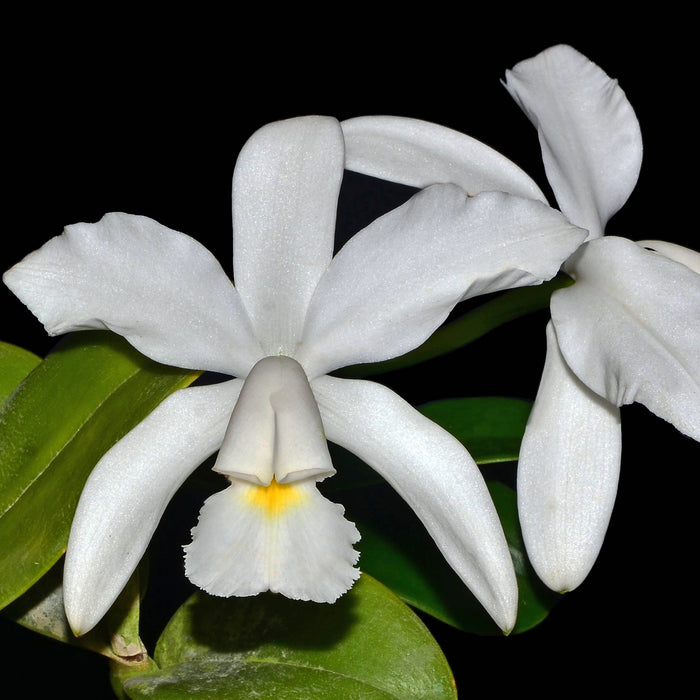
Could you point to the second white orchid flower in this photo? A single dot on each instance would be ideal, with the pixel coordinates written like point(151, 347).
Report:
point(627, 330)
point(295, 314)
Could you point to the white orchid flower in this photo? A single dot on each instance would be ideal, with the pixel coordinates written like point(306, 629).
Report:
point(295, 314)
point(627, 330)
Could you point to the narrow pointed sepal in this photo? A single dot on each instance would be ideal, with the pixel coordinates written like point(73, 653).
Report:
point(589, 134)
point(128, 491)
point(418, 153)
point(284, 538)
point(568, 473)
point(433, 472)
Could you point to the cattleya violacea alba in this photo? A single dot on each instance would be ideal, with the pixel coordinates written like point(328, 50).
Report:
point(627, 330)
point(295, 313)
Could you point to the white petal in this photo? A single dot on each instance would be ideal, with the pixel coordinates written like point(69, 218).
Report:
point(128, 491)
point(284, 538)
point(275, 430)
point(568, 472)
point(160, 289)
point(629, 328)
point(418, 153)
point(673, 251)
point(285, 195)
point(435, 475)
point(397, 280)
point(590, 137)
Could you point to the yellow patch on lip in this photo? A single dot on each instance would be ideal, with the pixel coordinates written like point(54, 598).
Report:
point(275, 498)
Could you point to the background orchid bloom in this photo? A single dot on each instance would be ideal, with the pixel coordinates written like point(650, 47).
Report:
point(626, 331)
point(295, 314)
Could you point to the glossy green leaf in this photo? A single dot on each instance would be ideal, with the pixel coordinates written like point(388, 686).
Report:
point(15, 364)
point(469, 327)
point(368, 645)
point(397, 550)
point(491, 428)
point(90, 391)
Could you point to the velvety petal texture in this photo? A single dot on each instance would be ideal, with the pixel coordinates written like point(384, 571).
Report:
point(285, 195)
point(689, 258)
point(629, 329)
point(285, 538)
point(568, 472)
point(435, 475)
point(128, 491)
point(160, 289)
point(590, 137)
point(419, 153)
point(396, 281)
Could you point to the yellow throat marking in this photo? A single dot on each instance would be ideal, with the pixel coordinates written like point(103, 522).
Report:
point(275, 498)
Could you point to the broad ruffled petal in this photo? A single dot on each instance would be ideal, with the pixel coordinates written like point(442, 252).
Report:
point(435, 475)
point(419, 153)
point(397, 280)
point(160, 289)
point(285, 538)
point(285, 195)
point(590, 137)
point(629, 328)
point(568, 473)
point(128, 491)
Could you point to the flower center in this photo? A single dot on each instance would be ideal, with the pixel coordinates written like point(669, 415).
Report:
point(274, 498)
point(275, 433)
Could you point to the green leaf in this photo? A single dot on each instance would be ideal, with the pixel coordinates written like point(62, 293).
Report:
point(468, 328)
point(89, 392)
point(491, 428)
point(367, 645)
point(397, 550)
point(15, 364)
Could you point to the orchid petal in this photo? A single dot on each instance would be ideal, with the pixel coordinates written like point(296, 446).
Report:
point(160, 289)
point(418, 153)
point(285, 194)
point(128, 491)
point(285, 538)
point(398, 279)
point(590, 137)
point(568, 473)
point(673, 251)
point(629, 328)
point(275, 430)
point(435, 475)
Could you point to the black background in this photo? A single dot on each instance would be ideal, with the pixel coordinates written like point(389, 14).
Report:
point(147, 117)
